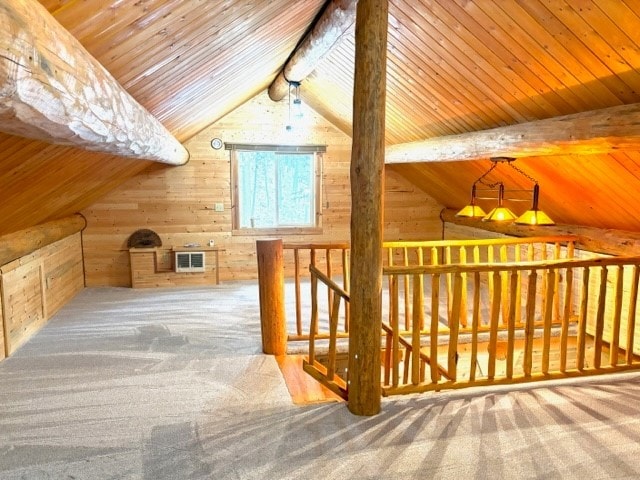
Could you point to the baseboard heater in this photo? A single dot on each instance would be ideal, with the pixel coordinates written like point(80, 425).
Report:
point(189, 262)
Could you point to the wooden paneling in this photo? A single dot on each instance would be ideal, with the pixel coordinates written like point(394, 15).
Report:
point(41, 182)
point(454, 66)
point(36, 286)
point(178, 203)
point(155, 267)
point(23, 301)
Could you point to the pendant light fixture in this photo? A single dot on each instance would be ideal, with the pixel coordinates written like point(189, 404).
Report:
point(500, 213)
point(295, 105)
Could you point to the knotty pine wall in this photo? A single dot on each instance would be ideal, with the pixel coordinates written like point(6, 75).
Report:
point(177, 202)
point(35, 287)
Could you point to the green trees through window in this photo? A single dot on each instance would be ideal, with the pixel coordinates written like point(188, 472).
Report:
point(276, 189)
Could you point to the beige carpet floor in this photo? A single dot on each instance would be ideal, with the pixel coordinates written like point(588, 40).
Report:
point(171, 384)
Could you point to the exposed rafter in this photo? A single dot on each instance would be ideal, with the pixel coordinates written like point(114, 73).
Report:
point(586, 133)
point(52, 89)
point(336, 20)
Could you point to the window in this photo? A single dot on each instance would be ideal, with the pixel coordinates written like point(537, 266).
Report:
point(276, 188)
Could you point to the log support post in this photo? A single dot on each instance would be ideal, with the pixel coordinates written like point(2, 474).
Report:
point(367, 188)
point(271, 285)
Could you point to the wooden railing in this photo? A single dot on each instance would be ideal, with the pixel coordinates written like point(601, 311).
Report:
point(326, 372)
point(564, 319)
point(334, 258)
point(503, 311)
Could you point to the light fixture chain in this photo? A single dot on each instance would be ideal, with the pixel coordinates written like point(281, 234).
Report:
point(524, 174)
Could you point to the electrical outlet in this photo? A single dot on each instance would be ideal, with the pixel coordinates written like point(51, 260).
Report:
point(218, 207)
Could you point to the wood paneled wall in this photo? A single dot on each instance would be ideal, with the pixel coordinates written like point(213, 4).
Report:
point(178, 202)
point(36, 286)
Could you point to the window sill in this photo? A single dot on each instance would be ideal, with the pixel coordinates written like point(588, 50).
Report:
point(277, 231)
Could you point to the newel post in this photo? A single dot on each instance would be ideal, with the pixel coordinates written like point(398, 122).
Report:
point(271, 285)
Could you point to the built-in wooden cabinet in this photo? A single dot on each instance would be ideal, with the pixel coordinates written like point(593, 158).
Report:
point(156, 267)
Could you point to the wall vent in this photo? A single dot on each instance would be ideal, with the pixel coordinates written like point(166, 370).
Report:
point(189, 262)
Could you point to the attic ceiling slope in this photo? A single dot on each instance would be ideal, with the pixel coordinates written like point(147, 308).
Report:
point(188, 62)
point(460, 66)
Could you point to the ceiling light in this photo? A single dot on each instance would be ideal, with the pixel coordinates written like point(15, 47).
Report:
point(295, 105)
point(472, 210)
point(500, 213)
point(534, 216)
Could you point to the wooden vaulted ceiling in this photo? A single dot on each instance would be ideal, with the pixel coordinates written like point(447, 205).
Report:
point(454, 66)
point(457, 66)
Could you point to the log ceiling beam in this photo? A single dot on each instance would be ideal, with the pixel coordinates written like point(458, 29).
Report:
point(587, 133)
point(21, 243)
point(598, 240)
point(336, 19)
point(52, 89)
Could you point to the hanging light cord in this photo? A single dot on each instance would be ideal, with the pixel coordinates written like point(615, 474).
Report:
point(509, 162)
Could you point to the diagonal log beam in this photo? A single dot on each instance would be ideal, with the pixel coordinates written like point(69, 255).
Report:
point(52, 89)
point(336, 20)
point(595, 132)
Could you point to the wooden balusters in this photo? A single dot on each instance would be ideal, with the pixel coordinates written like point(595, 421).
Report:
point(333, 330)
point(345, 285)
point(475, 321)
point(495, 313)
point(539, 323)
point(296, 277)
point(617, 315)
point(407, 298)
point(582, 320)
point(454, 325)
point(395, 327)
point(602, 296)
point(566, 318)
point(313, 328)
point(631, 316)
point(435, 325)
point(514, 304)
point(547, 317)
point(529, 323)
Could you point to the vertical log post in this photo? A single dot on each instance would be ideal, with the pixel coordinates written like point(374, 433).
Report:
point(271, 285)
point(367, 169)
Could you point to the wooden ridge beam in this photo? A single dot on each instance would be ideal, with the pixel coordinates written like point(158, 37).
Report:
point(52, 89)
point(594, 132)
point(23, 242)
point(335, 21)
point(598, 240)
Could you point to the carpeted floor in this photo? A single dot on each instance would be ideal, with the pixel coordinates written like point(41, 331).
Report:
point(171, 384)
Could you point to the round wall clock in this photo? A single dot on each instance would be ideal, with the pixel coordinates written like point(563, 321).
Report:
point(216, 143)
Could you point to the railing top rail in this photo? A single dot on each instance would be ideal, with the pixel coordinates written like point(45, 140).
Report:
point(510, 266)
point(438, 243)
point(316, 246)
point(328, 282)
point(481, 241)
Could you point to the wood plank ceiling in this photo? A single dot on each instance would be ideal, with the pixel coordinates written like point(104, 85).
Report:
point(454, 66)
point(457, 66)
point(187, 62)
